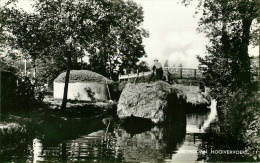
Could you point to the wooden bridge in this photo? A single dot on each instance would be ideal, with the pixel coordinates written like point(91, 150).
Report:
point(175, 73)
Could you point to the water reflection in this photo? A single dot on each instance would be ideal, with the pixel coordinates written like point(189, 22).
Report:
point(156, 144)
point(198, 123)
point(90, 148)
point(37, 150)
point(194, 148)
point(153, 146)
point(91, 140)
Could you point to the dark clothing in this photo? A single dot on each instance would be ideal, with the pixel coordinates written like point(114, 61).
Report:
point(159, 73)
point(157, 69)
point(167, 77)
point(202, 87)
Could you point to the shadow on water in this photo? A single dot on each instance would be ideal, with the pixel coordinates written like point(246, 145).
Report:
point(136, 125)
point(18, 141)
point(141, 141)
point(55, 131)
point(108, 139)
point(55, 139)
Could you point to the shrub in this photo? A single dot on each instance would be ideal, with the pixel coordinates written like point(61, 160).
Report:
point(19, 91)
point(8, 89)
point(239, 118)
point(25, 91)
point(231, 114)
point(252, 124)
point(14, 139)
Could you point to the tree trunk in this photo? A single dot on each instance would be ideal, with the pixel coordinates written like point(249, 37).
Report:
point(34, 68)
point(66, 85)
point(25, 68)
point(63, 151)
point(244, 56)
point(105, 60)
point(110, 68)
point(259, 53)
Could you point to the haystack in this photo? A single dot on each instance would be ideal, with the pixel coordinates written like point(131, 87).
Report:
point(84, 85)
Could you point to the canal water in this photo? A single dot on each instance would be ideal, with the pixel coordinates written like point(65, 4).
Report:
point(104, 140)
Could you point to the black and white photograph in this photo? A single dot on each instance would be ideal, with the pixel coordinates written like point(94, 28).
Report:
point(129, 81)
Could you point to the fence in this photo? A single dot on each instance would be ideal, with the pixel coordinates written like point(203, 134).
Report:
point(175, 72)
point(184, 73)
point(133, 75)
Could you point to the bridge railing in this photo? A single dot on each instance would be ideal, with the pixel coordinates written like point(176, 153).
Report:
point(175, 72)
point(184, 73)
point(133, 75)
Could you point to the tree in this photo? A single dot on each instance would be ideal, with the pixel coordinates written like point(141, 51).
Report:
point(24, 36)
point(56, 27)
point(142, 66)
point(227, 24)
point(259, 47)
point(119, 36)
point(65, 30)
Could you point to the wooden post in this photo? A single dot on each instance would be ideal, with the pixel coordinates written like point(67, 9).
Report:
point(34, 68)
point(195, 73)
point(25, 71)
point(181, 73)
point(259, 54)
point(137, 75)
point(108, 90)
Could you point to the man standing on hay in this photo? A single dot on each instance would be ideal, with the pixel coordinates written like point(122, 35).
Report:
point(158, 70)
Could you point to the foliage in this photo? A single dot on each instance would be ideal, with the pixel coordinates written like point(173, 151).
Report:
point(227, 25)
point(187, 82)
point(19, 92)
point(12, 138)
point(25, 91)
point(240, 119)
point(143, 66)
point(8, 93)
point(29, 91)
point(252, 125)
point(8, 65)
point(230, 27)
point(109, 31)
point(14, 64)
point(66, 30)
point(119, 37)
point(83, 76)
point(48, 70)
point(90, 93)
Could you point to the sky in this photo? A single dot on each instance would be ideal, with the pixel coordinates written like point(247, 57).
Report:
point(172, 28)
point(173, 34)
